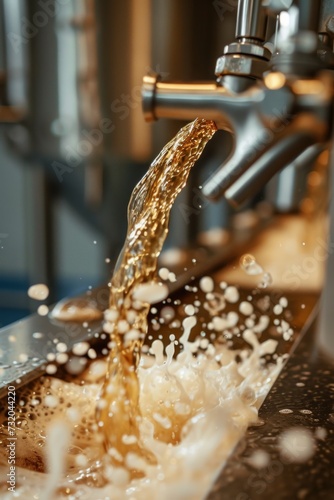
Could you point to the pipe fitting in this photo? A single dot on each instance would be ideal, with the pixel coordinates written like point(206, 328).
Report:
point(241, 65)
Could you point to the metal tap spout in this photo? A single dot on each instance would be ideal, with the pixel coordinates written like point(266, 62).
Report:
point(187, 101)
point(271, 126)
point(275, 109)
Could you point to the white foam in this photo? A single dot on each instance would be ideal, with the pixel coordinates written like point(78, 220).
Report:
point(43, 310)
point(297, 444)
point(206, 284)
point(246, 308)
point(150, 293)
point(231, 294)
point(200, 404)
point(194, 408)
point(57, 442)
point(80, 348)
point(38, 292)
point(164, 273)
point(189, 310)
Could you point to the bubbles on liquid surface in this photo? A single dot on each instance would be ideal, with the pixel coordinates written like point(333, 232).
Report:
point(173, 393)
point(286, 411)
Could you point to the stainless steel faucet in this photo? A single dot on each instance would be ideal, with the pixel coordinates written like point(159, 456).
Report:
point(276, 105)
point(275, 98)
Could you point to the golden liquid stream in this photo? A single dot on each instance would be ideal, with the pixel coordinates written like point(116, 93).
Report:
point(148, 215)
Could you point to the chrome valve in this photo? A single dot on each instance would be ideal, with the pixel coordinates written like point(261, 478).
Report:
point(276, 106)
point(272, 124)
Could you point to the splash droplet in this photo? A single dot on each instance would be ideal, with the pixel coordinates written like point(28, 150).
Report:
point(249, 265)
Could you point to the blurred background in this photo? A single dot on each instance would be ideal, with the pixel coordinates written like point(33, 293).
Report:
point(73, 141)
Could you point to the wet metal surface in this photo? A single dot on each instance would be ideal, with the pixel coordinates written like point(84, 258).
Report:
point(24, 345)
point(303, 396)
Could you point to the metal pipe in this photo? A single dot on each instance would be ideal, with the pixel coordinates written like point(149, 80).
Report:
point(262, 170)
point(326, 313)
point(184, 101)
point(309, 14)
point(251, 20)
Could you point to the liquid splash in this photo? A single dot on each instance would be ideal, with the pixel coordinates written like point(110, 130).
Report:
point(148, 217)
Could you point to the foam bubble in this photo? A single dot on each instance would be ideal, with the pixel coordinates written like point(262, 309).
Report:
point(297, 444)
point(51, 401)
point(164, 273)
point(231, 294)
point(150, 293)
point(249, 265)
point(43, 310)
point(259, 459)
point(246, 308)
point(38, 292)
point(81, 348)
point(206, 284)
point(189, 310)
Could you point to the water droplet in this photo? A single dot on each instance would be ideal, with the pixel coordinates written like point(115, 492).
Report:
point(38, 292)
point(285, 411)
point(266, 280)
point(43, 310)
point(249, 265)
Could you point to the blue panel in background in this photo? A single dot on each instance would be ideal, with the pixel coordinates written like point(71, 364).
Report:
point(15, 303)
point(8, 316)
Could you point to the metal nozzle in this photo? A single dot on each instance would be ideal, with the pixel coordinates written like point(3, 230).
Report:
point(251, 20)
point(259, 173)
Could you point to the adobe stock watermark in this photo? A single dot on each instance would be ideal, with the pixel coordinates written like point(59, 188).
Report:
point(121, 108)
point(294, 445)
point(197, 204)
point(90, 139)
point(29, 28)
point(308, 265)
point(258, 481)
point(11, 438)
point(3, 236)
point(224, 6)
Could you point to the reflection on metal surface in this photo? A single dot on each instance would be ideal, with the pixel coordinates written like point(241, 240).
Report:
point(302, 396)
point(27, 343)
